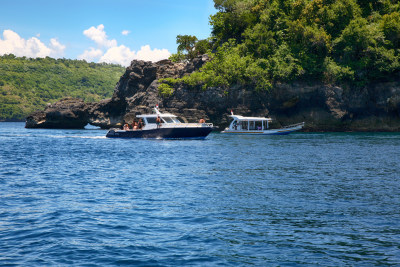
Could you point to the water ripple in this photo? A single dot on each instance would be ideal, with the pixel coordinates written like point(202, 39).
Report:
point(73, 197)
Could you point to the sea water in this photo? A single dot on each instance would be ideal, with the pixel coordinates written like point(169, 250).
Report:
point(74, 197)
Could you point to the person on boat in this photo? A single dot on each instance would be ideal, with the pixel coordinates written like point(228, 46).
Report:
point(158, 121)
point(135, 126)
point(140, 124)
point(235, 125)
point(126, 127)
point(202, 121)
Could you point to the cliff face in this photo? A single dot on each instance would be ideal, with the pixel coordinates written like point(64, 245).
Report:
point(324, 108)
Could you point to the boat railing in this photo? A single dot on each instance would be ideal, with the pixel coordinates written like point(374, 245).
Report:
point(293, 125)
point(188, 125)
point(185, 125)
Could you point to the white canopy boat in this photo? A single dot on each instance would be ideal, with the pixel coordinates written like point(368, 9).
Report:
point(258, 126)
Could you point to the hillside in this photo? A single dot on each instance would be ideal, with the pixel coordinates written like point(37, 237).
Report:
point(28, 84)
point(331, 63)
point(259, 43)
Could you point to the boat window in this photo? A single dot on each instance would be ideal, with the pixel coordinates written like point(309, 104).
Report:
point(265, 125)
point(175, 120)
point(244, 125)
point(258, 125)
point(234, 125)
point(252, 125)
point(151, 120)
point(167, 119)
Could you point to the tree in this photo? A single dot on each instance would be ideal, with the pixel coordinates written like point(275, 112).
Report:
point(178, 57)
point(202, 47)
point(187, 42)
point(391, 28)
point(258, 42)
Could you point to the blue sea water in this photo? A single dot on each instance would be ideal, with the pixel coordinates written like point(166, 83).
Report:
point(74, 197)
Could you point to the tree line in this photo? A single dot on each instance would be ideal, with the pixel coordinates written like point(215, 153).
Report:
point(28, 84)
point(256, 43)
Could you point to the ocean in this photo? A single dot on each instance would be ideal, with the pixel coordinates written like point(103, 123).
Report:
point(74, 197)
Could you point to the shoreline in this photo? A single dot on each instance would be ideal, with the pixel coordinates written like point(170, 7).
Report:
point(300, 131)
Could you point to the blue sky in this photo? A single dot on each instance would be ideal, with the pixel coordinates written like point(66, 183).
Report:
point(100, 30)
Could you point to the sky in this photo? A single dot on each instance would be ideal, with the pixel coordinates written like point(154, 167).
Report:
point(111, 31)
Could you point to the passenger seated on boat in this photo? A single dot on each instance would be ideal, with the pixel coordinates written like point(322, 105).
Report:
point(126, 127)
point(259, 128)
point(158, 121)
point(140, 124)
point(135, 126)
point(202, 121)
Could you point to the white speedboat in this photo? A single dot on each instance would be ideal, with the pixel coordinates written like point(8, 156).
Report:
point(169, 128)
point(258, 126)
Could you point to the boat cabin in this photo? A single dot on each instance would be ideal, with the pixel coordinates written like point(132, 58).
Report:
point(165, 117)
point(245, 124)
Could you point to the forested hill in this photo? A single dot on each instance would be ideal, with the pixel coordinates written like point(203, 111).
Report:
point(28, 84)
point(256, 43)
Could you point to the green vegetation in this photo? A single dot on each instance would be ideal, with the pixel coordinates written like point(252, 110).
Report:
point(256, 43)
point(28, 84)
point(165, 89)
point(192, 46)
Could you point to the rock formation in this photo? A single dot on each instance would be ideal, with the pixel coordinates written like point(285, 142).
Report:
point(68, 113)
point(323, 107)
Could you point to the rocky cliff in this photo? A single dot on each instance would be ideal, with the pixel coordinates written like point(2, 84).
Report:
point(323, 107)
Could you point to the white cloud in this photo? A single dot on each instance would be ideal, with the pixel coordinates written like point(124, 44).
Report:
point(98, 35)
point(91, 55)
point(123, 55)
point(119, 55)
point(57, 49)
point(125, 32)
point(145, 53)
point(33, 47)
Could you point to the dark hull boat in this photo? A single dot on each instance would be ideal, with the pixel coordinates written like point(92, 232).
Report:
point(162, 133)
point(163, 126)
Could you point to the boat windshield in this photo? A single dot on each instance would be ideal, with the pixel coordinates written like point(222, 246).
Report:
point(151, 120)
point(168, 119)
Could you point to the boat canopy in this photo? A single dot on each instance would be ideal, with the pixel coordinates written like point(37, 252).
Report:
point(155, 115)
point(242, 118)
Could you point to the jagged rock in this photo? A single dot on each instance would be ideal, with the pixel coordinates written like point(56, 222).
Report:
point(68, 113)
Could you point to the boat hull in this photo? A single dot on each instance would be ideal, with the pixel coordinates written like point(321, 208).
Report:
point(282, 131)
point(163, 133)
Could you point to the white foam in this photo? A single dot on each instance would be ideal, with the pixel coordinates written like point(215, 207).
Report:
point(75, 136)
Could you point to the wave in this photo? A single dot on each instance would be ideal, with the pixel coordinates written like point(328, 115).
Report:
point(55, 136)
point(75, 136)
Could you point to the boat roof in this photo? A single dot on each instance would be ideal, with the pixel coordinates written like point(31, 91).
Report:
point(155, 115)
point(242, 118)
